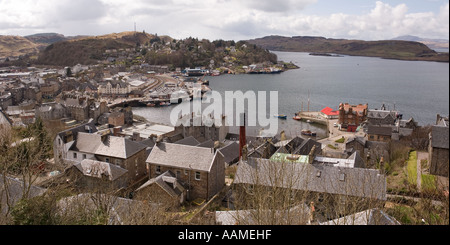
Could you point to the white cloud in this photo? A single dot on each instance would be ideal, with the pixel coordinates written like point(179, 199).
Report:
point(217, 19)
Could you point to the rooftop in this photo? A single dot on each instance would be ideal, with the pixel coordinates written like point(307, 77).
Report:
point(359, 182)
point(182, 156)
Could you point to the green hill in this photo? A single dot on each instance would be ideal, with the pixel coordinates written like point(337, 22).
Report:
point(89, 50)
point(389, 49)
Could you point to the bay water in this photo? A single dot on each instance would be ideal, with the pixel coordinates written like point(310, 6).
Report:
point(417, 89)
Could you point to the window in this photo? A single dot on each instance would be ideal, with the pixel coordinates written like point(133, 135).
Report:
point(84, 156)
point(178, 173)
point(158, 169)
point(107, 159)
point(75, 155)
point(197, 175)
point(185, 172)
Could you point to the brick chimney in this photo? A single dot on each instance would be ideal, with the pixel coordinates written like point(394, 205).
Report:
point(242, 137)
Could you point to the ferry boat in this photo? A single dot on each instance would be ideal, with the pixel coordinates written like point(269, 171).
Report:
point(309, 133)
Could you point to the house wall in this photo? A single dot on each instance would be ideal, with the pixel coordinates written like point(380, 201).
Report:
point(155, 194)
point(439, 161)
point(216, 176)
point(210, 183)
point(135, 165)
point(356, 146)
point(77, 156)
point(380, 138)
point(196, 188)
point(88, 183)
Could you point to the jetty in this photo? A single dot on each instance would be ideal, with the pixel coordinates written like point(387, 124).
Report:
point(313, 117)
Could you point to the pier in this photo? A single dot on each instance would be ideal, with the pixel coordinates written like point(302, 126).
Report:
point(313, 116)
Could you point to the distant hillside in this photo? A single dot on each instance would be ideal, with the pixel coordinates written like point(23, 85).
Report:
point(390, 49)
point(155, 50)
point(16, 46)
point(431, 43)
point(89, 50)
point(46, 38)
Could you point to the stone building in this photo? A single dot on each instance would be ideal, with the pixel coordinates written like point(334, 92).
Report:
point(351, 116)
point(438, 148)
point(201, 132)
point(104, 147)
point(92, 175)
point(200, 169)
point(164, 189)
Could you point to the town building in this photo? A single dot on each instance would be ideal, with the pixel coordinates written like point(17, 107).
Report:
point(114, 88)
point(94, 176)
point(327, 186)
point(438, 149)
point(164, 189)
point(65, 139)
point(329, 113)
point(104, 147)
point(379, 133)
point(351, 116)
point(200, 169)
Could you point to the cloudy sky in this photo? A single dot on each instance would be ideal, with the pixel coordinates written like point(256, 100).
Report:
point(229, 19)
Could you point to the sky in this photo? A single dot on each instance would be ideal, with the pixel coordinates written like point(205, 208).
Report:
point(229, 19)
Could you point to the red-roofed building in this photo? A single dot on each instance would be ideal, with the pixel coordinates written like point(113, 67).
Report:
point(330, 113)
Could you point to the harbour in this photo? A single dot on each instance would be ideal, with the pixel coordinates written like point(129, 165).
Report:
point(328, 82)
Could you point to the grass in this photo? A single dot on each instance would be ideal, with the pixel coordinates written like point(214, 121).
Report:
point(341, 140)
point(411, 168)
point(428, 182)
point(331, 146)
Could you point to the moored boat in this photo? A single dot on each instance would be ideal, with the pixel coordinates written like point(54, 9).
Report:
point(309, 133)
point(281, 116)
point(297, 117)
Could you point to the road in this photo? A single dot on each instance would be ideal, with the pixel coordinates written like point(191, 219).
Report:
point(420, 156)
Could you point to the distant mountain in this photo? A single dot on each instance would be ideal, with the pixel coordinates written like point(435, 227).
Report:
point(46, 38)
point(390, 49)
point(431, 43)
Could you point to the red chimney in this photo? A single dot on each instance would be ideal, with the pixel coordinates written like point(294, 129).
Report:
point(242, 138)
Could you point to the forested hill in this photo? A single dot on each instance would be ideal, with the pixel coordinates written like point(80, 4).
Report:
point(156, 50)
point(390, 49)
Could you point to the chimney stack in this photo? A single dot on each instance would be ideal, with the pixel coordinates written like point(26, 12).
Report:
point(242, 138)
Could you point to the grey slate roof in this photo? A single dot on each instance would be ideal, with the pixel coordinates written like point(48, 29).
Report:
point(15, 191)
point(97, 169)
point(182, 156)
point(297, 215)
point(439, 137)
point(82, 128)
point(188, 141)
point(300, 146)
point(168, 182)
point(368, 217)
point(379, 130)
point(113, 146)
point(360, 140)
point(230, 152)
point(207, 144)
point(359, 182)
